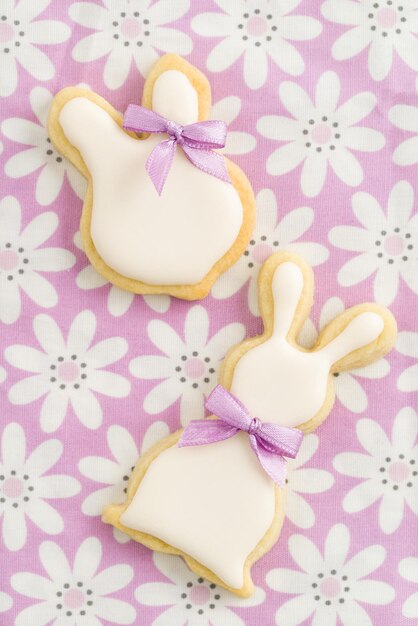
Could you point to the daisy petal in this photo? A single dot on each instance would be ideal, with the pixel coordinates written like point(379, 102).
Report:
point(355, 464)
point(294, 224)
point(239, 143)
point(109, 384)
point(385, 285)
point(158, 303)
point(408, 569)
point(306, 480)
point(78, 183)
point(305, 554)
point(287, 581)
point(407, 344)
point(10, 301)
point(346, 167)
point(39, 290)
point(266, 212)
point(54, 561)
point(365, 562)
point(278, 127)
point(28, 390)
point(151, 367)
point(36, 62)
point(145, 58)
point(112, 579)
point(26, 132)
point(225, 338)
point(287, 57)
point(285, 159)
point(122, 444)
point(372, 592)
point(171, 566)
point(344, 12)
point(350, 44)
point(164, 11)
point(351, 238)
point(154, 434)
point(294, 611)
point(407, 380)
point(337, 544)
point(300, 27)
point(44, 457)
point(14, 529)
point(10, 215)
point(380, 59)
point(107, 351)
point(88, 278)
point(402, 116)
point(407, 152)
point(400, 203)
point(157, 594)
point(295, 100)
point(361, 497)
point(408, 50)
point(49, 183)
point(223, 55)
point(363, 139)
point(117, 68)
point(40, 614)
point(327, 92)
point(38, 586)
point(350, 393)
point(24, 163)
point(87, 558)
point(13, 446)
point(58, 486)
point(410, 276)
point(52, 259)
point(165, 338)
point(196, 328)
point(313, 175)
point(357, 108)
point(119, 301)
point(405, 429)
point(162, 396)
point(353, 614)
point(172, 40)
point(81, 333)
point(368, 211)
point(372, 437)
point(87, 409)
point(40, 229)
point(47, 32)
point(26, 357)
point(28, 11)
point(191, 406)
point(53, 411)
point(95, 502)
point(45, 517)
point(88, 14)
point(92, 47)
point(9, 76)
point(255, 68)
point(212, 25)
point(298, 511)
point(115, 611)
point(379, 369)
point(357, 269)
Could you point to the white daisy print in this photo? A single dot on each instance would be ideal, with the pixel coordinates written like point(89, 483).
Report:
point(191, 599)
point(320, 133)
point(41, 154)
point(237, 142)
point(408, 569)
point(348, 389)
point(383, 26)
point(257, 30)
point(129, 30)
point(74, 596)
point(6, 602)
point(301, 480)
point(3, 374)
point(115, 473)
point(405, 117)
point(22, 258)
point(189, 367)
point(118, 300)
point(387, 244)
point(270, 235)
point(329, 586)
point(20, 32)
point(24, 486)
point(389, 469)
point(68, 371)
point(407, 344)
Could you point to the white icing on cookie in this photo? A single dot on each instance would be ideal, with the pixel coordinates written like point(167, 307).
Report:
point(214, 502)
point(172, 239)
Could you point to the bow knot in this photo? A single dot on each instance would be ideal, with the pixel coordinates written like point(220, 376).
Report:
point(270, 442)
point(196, 140)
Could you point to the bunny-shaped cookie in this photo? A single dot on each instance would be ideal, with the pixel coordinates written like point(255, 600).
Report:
point(214, 504)
point(177, 242)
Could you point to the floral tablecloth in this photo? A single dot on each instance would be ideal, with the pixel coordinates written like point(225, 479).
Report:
point(321, 102)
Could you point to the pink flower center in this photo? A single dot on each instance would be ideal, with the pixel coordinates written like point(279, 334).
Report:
point(130, 28)
point(8, 258)
point(321, 133)
point(68, 371)
point(394, 244)
point(386, 17)
point(6, 32)
point(261, 252)
point(13, 487)
point(256, 26)
point(73, 598)
point(330, 587)
point(194, 368)
point(200, 595)
point(398, 472)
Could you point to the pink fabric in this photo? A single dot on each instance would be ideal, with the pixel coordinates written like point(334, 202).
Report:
point(124, 401)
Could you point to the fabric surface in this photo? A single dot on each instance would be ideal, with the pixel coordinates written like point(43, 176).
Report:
point(321, 102)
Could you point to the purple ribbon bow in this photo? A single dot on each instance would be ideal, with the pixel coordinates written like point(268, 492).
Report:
point(196, 140)
point(270, 442)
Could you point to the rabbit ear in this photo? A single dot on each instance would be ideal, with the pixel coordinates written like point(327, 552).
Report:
point(358, 336)
point(177, 91)
point(285, 294)
point(175, 98)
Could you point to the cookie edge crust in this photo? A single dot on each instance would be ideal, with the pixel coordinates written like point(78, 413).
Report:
point(379, 347)
point(238, 178)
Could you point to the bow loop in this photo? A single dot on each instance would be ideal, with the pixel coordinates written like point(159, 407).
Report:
point(197, 141)
point(270, 442)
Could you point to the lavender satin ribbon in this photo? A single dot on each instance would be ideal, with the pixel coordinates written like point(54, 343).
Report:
point(270, 442)
point(196, 140)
